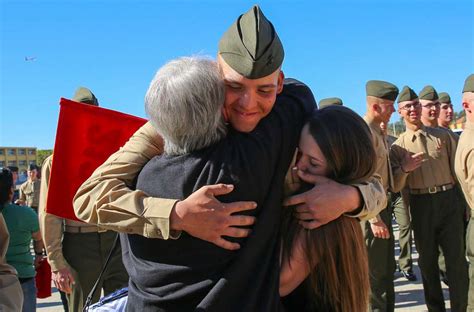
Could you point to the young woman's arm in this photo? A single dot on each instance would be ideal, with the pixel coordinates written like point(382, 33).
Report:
point(293, 271)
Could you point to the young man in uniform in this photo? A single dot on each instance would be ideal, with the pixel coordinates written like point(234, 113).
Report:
point(446, 110)
point(330, 101)
point(246, 64)
point(30, 190)
point(77, 250)
point(378, 232)
point(430, 106)
point(464, 167)
point(435, 220)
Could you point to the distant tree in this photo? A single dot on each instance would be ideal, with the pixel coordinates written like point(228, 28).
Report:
point(396, 128)
point(42, 154)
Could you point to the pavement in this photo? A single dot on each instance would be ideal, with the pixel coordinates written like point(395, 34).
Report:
point(408, 295)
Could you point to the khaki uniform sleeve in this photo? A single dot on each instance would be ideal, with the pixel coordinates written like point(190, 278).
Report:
point(107, 200)
point(22, 195)
point(374, 197)
point(397, 154)
point(470, 177)
point(51, 226)
point(451, 146)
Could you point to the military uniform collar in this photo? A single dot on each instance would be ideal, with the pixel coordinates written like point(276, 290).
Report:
point(418, 132)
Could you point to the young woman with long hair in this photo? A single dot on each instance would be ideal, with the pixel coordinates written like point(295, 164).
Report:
point(326, 269)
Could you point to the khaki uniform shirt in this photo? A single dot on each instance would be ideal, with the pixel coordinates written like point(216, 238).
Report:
point(464, 163)
point(52, 227)
point(453, 135)
point(382, 152)
point(106, 199)
point(439, 149)
point(29, 192)
point(383, 167)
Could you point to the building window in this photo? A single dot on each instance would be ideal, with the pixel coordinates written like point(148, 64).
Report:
point(11, 151)
point(22, 163)
point(21, 151)
point(2, 151)
point(31, 152)
point(2, 163)
point(12, 163)
point(32, 162)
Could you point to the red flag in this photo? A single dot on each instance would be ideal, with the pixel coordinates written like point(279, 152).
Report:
point(86, 136)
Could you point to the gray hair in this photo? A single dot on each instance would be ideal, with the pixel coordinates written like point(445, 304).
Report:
point(184, 103)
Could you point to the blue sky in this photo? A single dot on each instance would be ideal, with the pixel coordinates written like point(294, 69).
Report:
point(114, 48)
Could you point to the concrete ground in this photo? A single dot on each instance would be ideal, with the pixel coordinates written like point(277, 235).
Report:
point(409, 295)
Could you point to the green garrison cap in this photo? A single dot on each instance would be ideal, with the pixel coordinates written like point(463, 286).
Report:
point(330, 101)
point(85, 95)
point(407, 94)
point(444, 97)
point(381, 89)
point(251, 46)
point(469, 84)
point(429, 93)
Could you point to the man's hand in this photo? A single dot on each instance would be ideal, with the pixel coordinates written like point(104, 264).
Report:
point(412, 161)
point(325, 202)
point(38, 259)
point(203, 216)
point(63, 280)
point(380, 230)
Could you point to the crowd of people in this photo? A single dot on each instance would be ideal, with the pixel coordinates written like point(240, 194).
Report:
point(240, 195)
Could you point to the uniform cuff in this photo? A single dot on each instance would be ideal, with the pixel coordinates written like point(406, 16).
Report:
point(57, 264)
point(375, 220)
point(157, 212)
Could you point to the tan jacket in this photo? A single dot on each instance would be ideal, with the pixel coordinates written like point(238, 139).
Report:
point(439, 149)
point(52, 227)
point(464, 163)
point(29, 193)
point(106, 199)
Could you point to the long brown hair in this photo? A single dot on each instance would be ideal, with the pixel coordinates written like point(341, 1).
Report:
point(336, 251)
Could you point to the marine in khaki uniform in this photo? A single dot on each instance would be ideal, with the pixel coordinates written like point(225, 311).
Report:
point(397, 203)
point(378, 232)
point(30, 190)
point(435, 220)
point(430, 106)
point(446, 112)
point(464, 167)
point(430, 115)
point(330, 101)
point(76, 250)
point(107, 200)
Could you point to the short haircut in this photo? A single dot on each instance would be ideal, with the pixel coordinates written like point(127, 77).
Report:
point(6, 184)
point(184, 103)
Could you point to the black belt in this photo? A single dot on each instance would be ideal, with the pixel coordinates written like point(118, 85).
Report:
point(432, 190)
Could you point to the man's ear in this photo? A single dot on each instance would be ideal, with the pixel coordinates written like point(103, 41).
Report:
point(376, 107)
point(466, 106)
point(281, 79)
